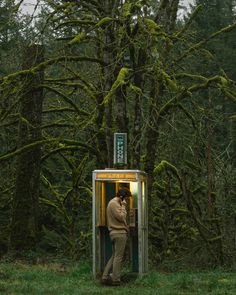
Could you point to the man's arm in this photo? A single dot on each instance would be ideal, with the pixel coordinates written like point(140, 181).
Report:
point(119, 211)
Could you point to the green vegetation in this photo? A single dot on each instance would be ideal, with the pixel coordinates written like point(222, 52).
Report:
point(58, 279)
point(130, 66)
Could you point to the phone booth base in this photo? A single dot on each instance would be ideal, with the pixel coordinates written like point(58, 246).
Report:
point(106, 183)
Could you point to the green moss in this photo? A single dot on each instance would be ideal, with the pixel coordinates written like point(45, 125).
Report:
point(136, 89)
point(25, 148)
point(151, 25)
point(165, 165)
point(104, 21)
point(127, 9)
point(171, 84)
point(119, 81)
point(77, 39)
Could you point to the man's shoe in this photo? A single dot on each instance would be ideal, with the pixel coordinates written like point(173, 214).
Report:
point(115, 283)
point(106, 282)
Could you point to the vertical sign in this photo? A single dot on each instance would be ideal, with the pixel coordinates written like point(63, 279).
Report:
point(120, 148)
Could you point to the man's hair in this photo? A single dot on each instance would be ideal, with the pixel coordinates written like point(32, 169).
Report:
point(123, 192)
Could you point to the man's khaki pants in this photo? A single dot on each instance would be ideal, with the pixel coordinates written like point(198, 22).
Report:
point(115, 262)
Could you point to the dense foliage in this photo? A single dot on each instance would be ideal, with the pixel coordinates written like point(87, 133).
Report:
point(119, 66)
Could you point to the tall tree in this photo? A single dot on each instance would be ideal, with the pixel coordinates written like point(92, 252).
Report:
point(24, 225)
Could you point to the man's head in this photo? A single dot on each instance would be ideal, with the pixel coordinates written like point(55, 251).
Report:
point(123, 193)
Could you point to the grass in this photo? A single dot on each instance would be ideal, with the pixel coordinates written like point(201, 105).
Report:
point(50, 279)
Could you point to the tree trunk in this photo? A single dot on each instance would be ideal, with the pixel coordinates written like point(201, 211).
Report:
point(209, 163)
point(108, 76)
point(151, 140)
point(25, 204)
point(137, 125)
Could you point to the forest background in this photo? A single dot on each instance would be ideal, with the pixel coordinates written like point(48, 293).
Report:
point(81, 70)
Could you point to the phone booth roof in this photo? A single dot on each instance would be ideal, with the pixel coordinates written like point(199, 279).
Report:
point(125, 175)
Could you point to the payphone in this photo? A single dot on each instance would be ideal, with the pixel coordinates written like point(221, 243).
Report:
point(106, 183)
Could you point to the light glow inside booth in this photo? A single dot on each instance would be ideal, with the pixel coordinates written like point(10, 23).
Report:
point(106, 183)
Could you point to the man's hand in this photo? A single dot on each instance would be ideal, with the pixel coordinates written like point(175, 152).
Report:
point(123, 203)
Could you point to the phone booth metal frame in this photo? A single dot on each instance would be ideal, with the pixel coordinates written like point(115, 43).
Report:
point(105, 185)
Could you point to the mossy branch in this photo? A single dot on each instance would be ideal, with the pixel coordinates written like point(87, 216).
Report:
point(81, 36)
point(89, 147)
point(216, 79)
point(6, 112)
point(84, 22)
point(180, 211)
point(86, 85)
point(229, 94)
point(78, 171)
point(60, 110)
point(203, 42)
point(165, 165)
point(81, 86)
point(135, 89)
point(222, 83)
point(60, 149)
point(192, 76)
point(187, 113)
point(40, 67)
point(173, 101)
point(67, 99)
point(9, 124)
point(72, 146)
point(68, 161)
point(25, 148)
point(78, 38)
point(215, 239)
point(106, 20)
point(60, 125)
point(171, 84)
point(188, 23)
point(58, 203)
point(119, 82)
point(233, 118)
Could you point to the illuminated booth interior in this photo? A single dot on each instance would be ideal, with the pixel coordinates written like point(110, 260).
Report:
point(105, 186)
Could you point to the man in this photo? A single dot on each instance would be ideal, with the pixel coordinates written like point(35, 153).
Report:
point(118, 230)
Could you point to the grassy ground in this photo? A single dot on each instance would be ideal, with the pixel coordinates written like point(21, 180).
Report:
point(19, 278)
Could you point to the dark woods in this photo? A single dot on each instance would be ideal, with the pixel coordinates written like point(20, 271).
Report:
point(82, 70)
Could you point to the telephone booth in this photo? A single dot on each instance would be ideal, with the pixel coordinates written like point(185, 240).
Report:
point(105, 186)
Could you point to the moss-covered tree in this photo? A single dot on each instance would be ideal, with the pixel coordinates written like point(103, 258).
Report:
point(24, 226)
